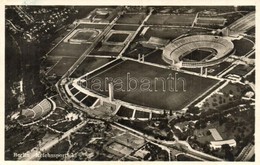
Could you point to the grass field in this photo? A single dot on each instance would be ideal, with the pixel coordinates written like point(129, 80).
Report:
point(156, 93)
point(83, 35)
point(117, 37)
point(62, 66)
point(197, 55)
point(89, 64)
point(95, 26)
point(139, 49)
point(106, 50)
point(212, 70)
point(156, 58)
point(240, 70)
point(170, 19)
point(218, 68)
point(125, 27)
point(131, 19)
point(242, 46)
point(69, 50)
point(166, 33)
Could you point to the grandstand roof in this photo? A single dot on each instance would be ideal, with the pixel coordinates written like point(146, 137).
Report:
point(218, 144)
point(215, 134)
point(175, 50)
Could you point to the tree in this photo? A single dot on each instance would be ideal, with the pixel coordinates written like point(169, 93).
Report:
point(208, 133)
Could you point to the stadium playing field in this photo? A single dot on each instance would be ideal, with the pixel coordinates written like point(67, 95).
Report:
point(155, 93)
point(197, 55)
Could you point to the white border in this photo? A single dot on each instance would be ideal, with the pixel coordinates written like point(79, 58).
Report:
point(119, 2)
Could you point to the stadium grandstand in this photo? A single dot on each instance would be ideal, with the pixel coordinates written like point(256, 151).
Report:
point(174, 52)
point(79, 97)
point(38, 111)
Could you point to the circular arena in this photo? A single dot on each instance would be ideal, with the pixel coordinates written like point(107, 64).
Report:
point(176, 51)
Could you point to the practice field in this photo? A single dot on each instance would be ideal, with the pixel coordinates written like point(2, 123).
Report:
point(106, 50)
point(62, 66)
point(83, 35)
point(240, 70)
point(117, 37)
point(89, 64)
point(156, 58)
point(69, 50)
point(166, 33)
point(147, 85)
point(125, 27)
point(171, 19)
point(172, 33)
point(131, 19)
point(94, 26)
point(139, 49)
point(243, 46)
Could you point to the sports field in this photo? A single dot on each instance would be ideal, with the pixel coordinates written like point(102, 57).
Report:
point(144, 85)
point(243, 46)
point(131, 18)
point(171, 19)
point(125, 27)
point(83, 35)
point(62, 66)
point(197, 55)
point(139, 49)
point(106, 50)
point(166, 33)
point(89, 64)
point(94, 26)
point(117, 37)
point(69, 50)
point(240, 70)
point(156, 58)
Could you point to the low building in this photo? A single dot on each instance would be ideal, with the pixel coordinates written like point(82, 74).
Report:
point(218, 144)
point(155, 42)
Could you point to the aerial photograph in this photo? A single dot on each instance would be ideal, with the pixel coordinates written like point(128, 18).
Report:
point(129, 83)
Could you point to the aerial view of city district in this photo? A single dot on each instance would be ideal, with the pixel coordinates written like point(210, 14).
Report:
point(129, 83)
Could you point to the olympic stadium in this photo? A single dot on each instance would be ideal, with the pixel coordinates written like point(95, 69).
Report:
point(219, 49)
